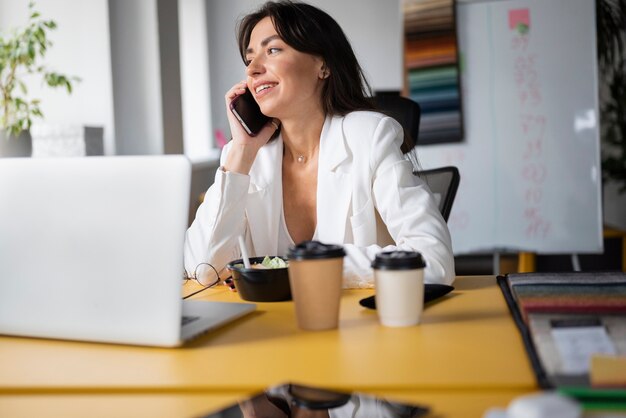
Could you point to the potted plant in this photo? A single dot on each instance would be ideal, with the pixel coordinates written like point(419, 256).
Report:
point(611, 23)
point(20, 54)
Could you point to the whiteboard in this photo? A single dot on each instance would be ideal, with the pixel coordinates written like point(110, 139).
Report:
point(530, 163)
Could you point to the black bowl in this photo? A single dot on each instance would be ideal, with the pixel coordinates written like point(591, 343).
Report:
point(260, 285)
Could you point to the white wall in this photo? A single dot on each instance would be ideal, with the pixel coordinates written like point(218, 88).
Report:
point(194, 64)
point(374, 28)
point(146, 76)
point(136, 72)
point(81, 48)
point(171, 96)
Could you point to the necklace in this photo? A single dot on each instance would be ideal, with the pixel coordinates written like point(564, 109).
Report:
point(301, 159)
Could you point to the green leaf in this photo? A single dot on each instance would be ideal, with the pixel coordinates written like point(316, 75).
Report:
point(19, 55)
point(40, 35)
point(52, 79)
point(31, 51)
point(15, 129)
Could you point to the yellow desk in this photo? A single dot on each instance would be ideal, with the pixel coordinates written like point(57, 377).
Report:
point(467, 348)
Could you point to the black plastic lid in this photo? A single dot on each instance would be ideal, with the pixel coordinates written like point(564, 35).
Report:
point(398, 260)
point(312, 250)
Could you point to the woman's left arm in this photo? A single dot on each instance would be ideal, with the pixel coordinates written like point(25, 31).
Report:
point(407, 208)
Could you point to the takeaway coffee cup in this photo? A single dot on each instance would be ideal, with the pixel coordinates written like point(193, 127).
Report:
point(315, 277)
point(399, 281)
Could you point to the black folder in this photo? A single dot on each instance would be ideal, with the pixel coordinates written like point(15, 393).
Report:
point(432, 291)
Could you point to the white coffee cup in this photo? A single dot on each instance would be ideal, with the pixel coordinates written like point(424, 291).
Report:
point(399, 281)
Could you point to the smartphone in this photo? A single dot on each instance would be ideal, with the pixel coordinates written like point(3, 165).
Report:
point(290, 400)
point(248, 113)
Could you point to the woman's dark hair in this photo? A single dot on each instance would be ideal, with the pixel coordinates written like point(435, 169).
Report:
point(312, 31)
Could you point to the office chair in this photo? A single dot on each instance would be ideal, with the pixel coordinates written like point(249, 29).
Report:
point(443, 182)
point(404, 110)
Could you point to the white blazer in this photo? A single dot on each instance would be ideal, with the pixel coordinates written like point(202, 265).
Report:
point(368, 200)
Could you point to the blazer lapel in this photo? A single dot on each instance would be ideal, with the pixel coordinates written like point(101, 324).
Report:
point(334, 191)
point(264, 203)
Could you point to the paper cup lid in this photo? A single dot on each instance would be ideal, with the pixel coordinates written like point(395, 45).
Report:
point(311, 250)
point(398, 260)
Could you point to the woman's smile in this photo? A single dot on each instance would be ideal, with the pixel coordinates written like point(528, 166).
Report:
point(263, 88)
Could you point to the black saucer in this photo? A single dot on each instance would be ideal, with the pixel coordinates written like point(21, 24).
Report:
point(431, 292)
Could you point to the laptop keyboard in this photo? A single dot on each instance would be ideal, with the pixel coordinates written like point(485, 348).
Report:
point(188, 319)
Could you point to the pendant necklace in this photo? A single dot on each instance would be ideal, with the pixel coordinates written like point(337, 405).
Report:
point(300, 159)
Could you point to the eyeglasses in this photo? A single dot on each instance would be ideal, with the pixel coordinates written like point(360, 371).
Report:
point(203, 273)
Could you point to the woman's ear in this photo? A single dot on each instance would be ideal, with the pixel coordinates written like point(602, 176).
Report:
point(324, 72)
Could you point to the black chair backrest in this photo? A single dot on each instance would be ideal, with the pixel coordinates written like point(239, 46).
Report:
point(443, 182)
point(404, 110)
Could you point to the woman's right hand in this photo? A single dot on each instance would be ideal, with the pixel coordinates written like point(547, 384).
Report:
point(244, 147)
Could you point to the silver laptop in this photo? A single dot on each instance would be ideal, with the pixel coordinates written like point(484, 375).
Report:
point(91, 249)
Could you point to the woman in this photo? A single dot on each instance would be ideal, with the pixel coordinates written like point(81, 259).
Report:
point(327, 167)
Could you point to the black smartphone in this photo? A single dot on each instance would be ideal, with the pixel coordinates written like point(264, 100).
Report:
point(248, 113)
point(290, 400)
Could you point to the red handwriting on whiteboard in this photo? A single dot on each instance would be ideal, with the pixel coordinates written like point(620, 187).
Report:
point(535, 173)
point(532, 124)
point(536, 226)
point(533, 196)
point(519, 42)
point(526, 79)
point(533, 149)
